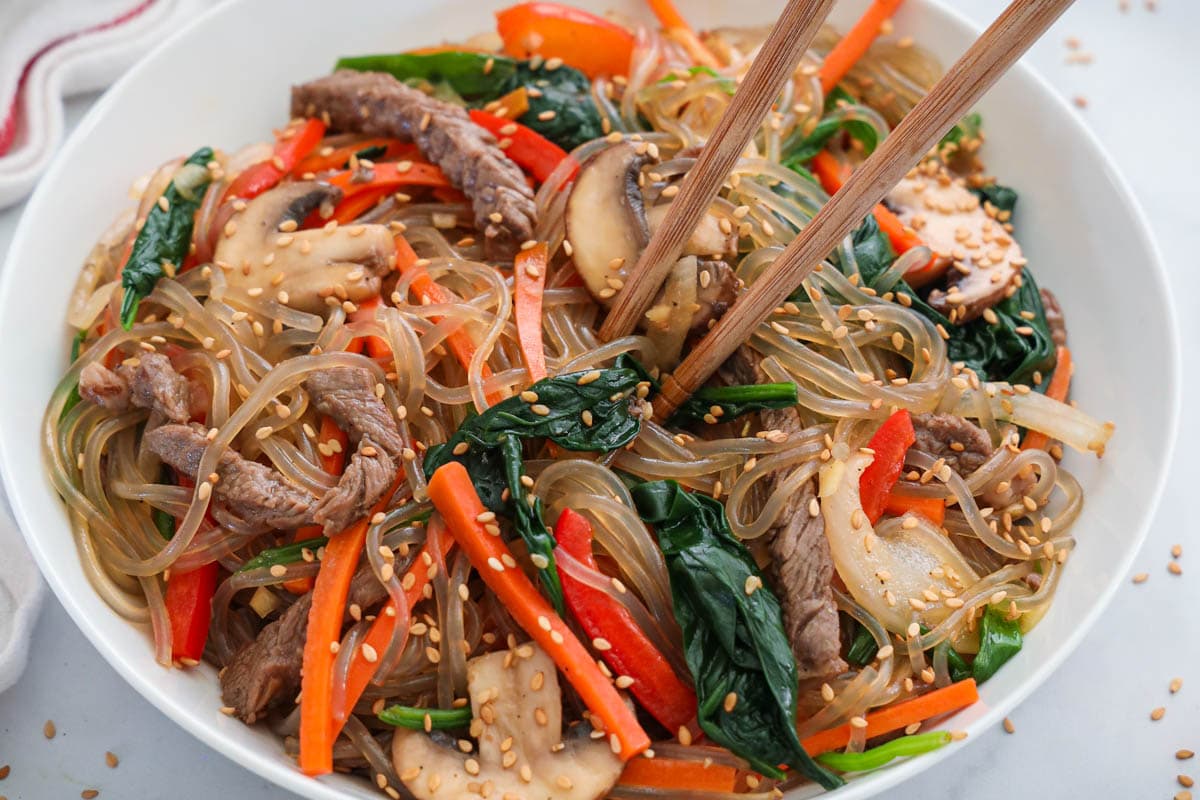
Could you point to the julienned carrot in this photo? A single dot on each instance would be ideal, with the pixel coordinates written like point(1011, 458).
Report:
point(332, 443)
point(680, 775)
point(529, 281)
point(339, 157)
point(829, 172)
point(1060, 385)
point(846, 53)
point(455, 498)
point(932, 508)
point(934, 704)
point(678, 29)
point(361, 671)
point(375, 346)
point(342, 554)
point(429, 292)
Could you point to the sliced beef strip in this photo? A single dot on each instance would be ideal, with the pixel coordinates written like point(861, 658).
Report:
point(801, 568)
point(254, 492)
point(348, 395)
point(100, 385)
point(368, 476)
point(152, 384)
point(377, 104)
point(1054, 317)
point(963, 444)
point(266, 672)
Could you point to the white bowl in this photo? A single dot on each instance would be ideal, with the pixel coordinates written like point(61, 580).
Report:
point(215, 83)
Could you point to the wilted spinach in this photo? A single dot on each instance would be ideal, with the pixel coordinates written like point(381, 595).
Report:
point(733, 638)
point(493, 439)
point(999, 640)
point(166, 235)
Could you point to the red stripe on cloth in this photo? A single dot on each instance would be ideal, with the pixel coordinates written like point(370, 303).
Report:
point(8, 127)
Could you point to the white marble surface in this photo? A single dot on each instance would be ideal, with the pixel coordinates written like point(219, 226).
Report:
point(1086, 732)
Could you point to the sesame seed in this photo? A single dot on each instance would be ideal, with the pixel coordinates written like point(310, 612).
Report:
point(601, 644)
point(624, 681)
point(1174, 568)
point(730, 702)
point(495, 564)
point(88, 794)
point(1008, 726)
point(111, 760)
point(1184, 755)
point(858, 722)
point(278, 570)
point(540, 410)
point(1176, 684)
point(753, 584)
point(684, 735)
point(1158, 713)
point(204, 490)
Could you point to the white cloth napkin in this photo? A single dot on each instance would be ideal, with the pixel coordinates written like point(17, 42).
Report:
point(51, 49)
point(61, 47)
point(21, 593)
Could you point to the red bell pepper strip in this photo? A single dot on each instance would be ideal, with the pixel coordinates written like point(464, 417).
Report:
point(890, 443)
point(531, 151)
point(529, 282)
point(589, 43)
point(292, 145)
point(189, 601)
point(389, 176)
point(338, 157)
point(932, 508)
point(655, 685)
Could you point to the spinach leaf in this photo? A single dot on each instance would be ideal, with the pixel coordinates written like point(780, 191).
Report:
point(469, 74)
point(492, 454)
point(960, 670)
point(73, 399)
point(568, 93)
point(1004, 198)
point(166, 235)
point(999, 640)
point(733, 639)
point(873, 251)
point(800, 148)
point(863, 647)
point(369, 153)
point(967, 128)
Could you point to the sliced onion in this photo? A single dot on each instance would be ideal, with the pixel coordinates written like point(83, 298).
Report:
point(1040, 413)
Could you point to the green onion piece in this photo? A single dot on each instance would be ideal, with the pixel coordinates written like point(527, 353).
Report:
point(414, 718)
point(876, 757)
point(285, 554)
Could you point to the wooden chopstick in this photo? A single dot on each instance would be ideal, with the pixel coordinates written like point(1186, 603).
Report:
point(1021, 24)
point(773, 66)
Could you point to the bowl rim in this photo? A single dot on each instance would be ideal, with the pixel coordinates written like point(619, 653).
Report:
point(290, 778)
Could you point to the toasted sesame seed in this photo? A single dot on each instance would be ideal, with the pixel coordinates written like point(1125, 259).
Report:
point(753, 584)
point(88, 794)
point(1184, 755)
point(495, 564)
point(1008, 726)
point(1185, 780)
point(278, 570)
point(1141, 577)
point(1158, 713)
point(858, 722)
point(1174, 568)
point(684, 735)
point(601, 644)
point(1176, 684)
point(540, 410)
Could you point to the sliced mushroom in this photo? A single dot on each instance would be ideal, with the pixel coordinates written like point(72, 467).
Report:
point(517, 722)
point(707, 240)
point(606, 218)
point(717, 290)
point(301, 269)
point(670, 318)
point(980, 258)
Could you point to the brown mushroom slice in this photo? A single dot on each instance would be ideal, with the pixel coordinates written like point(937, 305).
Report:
point(262, 253)
point(983, 259)
point(606, 219)
point(707, 240)
point(516, 708)
point(670, 318)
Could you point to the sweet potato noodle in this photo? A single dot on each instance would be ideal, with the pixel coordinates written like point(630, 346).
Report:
point(909, 594)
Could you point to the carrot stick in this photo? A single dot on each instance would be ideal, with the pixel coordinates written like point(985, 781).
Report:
point(670, 773)
point(324, 628)
point(375, 346)
point(332, 464)
point(455, 498)
point(1060, 385)
point(829, 172)
point(893, 718)
point(361, 671)
point(429, 292)
point(846, 53)
point(678, 29)
point(932, 508)
point(529, 281)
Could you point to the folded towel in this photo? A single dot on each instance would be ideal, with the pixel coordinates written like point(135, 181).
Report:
point(51, 49)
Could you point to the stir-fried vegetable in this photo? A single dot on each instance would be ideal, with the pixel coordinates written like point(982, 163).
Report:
point(936, 703)
point(655, 685)
point(529, 281)
point(189, 594)
point(1058, 389)
point(342, 553)
point(733, 635)
point(854, 45)
point(293, 144)
point(932, 508)
point(677, 27)
point(163, 242)
point(454, 496)
point(469, 74)
point(889, 443)
point(582, 411)
point(711, 404)
point(426, 719)
point(999, 640)
point(679, 775)
point(828, 172)
point(76, 345)
point(552, 30)
point(531, 151)
point(284, 554)
point(876, 757)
